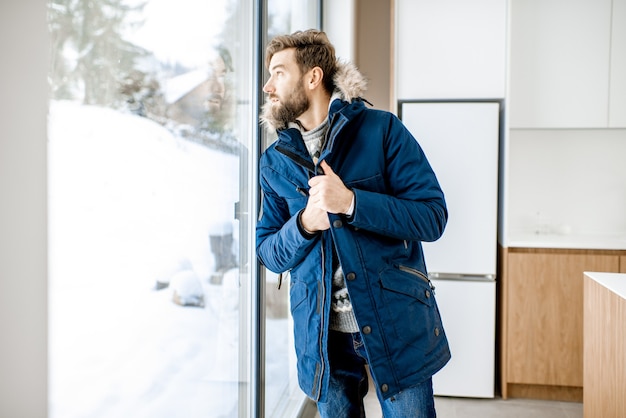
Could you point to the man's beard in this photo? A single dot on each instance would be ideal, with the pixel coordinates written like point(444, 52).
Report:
point(292, 106)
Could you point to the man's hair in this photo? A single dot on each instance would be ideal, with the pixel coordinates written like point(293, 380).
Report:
point(312, 49)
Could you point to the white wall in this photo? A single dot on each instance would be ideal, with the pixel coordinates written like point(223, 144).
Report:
point(567, 182)
point(338, 22)
point(23, 224)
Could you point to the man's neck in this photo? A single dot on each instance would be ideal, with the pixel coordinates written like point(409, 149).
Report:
point(316, 113)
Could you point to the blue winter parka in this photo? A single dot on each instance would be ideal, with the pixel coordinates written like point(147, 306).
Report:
point(398, 204)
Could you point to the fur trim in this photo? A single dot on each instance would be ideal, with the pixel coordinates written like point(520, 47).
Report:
point(267, 120)
point(349, 81)
point(350, 84)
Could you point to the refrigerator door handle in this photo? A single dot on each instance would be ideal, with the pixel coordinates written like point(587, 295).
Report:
point(465, 277)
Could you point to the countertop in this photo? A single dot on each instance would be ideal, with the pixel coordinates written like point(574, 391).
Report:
point(615, 282)
point(569, 241)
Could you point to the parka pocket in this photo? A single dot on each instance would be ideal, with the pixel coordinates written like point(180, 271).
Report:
point(374, 183)
point(297, 294)
point(410, 306)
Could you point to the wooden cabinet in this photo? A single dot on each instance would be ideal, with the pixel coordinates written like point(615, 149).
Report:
point(450, 49)
point(622, 264)
point(541, 319)
point(560, 59)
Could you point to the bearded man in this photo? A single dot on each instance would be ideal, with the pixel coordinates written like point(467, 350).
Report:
point(348, 197)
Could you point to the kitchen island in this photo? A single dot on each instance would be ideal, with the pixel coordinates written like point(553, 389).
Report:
point(604, 372)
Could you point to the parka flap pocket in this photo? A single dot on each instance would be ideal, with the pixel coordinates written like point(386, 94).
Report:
point(409, 283)
point(297, 293)
point(374, 183)
point(410, 309)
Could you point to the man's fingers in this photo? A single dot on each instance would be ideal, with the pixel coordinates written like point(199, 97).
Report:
point(327, 170)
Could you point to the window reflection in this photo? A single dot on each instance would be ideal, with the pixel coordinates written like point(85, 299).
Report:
point(199, 103)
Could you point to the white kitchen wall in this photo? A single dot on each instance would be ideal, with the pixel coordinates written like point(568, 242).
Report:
point(567, 183)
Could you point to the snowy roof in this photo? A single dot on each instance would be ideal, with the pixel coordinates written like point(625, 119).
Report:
point(177, 87)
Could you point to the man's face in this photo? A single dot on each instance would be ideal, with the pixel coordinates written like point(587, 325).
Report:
point(285, 87)
point(216, 87)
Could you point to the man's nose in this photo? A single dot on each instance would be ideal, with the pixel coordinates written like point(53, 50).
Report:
point(217, 86)
point(267, 88)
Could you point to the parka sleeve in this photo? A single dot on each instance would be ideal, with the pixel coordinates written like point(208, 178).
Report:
point(279, 242)
point(414, 206)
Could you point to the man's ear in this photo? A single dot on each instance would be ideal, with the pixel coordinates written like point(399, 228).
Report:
point(315, 77)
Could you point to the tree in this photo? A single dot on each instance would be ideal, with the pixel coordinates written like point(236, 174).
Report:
point(90, 57)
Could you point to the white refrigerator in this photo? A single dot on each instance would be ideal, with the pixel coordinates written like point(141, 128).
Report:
point(461, 141)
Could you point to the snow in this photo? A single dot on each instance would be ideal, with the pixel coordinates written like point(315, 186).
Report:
point(130, 204)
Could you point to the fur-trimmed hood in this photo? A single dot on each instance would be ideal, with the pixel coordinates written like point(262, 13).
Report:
point(349, 83)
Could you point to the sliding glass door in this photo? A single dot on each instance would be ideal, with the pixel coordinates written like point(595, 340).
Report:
point(156, 304)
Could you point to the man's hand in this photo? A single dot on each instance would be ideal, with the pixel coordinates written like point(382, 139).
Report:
point(328, 191)
point(314, 219)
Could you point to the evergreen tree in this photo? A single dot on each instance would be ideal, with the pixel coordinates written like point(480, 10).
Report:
point(90, 57)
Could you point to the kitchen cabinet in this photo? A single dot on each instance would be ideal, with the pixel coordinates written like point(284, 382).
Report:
point(617, 103)
point(541, 319)
point(622, 264)
point(560, 64)
point(450, 49)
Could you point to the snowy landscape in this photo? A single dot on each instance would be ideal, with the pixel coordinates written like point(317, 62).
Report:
point(130, 205)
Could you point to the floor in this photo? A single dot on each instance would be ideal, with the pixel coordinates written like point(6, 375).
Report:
point(492, 408)
point(489, 408)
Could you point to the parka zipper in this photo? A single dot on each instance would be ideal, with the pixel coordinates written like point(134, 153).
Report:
point(298, 159)
point(332, 131)
point(307, 165)
point(310, 167)
point(417, 273)
point(319, 372)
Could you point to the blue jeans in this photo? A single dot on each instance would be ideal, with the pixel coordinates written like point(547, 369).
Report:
point(349, 384)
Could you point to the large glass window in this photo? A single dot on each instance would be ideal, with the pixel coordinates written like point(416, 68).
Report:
point(152, 115)
point(154, 299)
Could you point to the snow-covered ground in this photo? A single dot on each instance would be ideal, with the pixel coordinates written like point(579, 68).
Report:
point(129, 201)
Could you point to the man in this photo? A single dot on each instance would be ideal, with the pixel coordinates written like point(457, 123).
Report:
point(347, 197)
